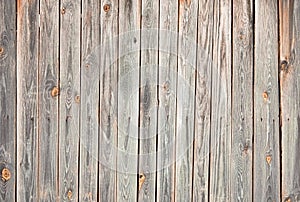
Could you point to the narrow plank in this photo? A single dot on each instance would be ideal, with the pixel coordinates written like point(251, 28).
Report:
point(48, 101)
point(108, 100)
point(220, 161)
point(88, 177)
point(203, 102)
point(27, 67)
point(8, 100)
point(69, 99)
point(188, 13)
point(266, 181)
point(148, 98)
point(290, 96)
point(242, 101)
point(128, 100)
point(168, 20)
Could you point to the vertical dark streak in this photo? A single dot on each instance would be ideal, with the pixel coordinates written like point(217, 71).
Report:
point(37, 105)
point(58, 104)
point(16, 96)
point(253, 99)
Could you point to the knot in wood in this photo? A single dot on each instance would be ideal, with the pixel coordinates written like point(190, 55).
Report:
point(106, 7)
point(77, 98)
point(141, 180)
point(63, 10)
point(269, 159)
point(1, 50)
point(5, 174)
point(69, 194)
point(55, 91)
point(265, 96)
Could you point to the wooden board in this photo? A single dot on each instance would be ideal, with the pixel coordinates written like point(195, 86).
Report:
point(167, 78)
point(188, 11)
point(290, 96)
point(8, 87)
point(128, 100)
point(266, 181)
point(69, 101)
point(89, 102)
point(220, 160)
point(27, 100)
point(242, 101)
point(48, 100)
point(108, 100)
point(148, 99)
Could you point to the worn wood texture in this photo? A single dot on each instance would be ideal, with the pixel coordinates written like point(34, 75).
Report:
point(266, 181)
point(69, 101)
point(167, 79)
point(290, 98)
point(89, 102)
point(27, 100)
point(220, 161)
point(148, 98)
point(128, 100)
point(187, 39)
point(48, 100)
point(108, 100)
point(242, 101)
point(203, 102)
point(8, 99)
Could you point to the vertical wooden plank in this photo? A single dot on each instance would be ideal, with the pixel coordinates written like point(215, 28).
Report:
point(128, 100)
point(290, 96)
point(7, 100)
point(148, 98)
point(89, 101)
point(266, 104)
point(69, 99)
point(167, 71)
point(48, 101)
point(203, 102)
point(242, 101)
point(27, 67)
point(220, 160)
point(108, 100)
point(188, 11)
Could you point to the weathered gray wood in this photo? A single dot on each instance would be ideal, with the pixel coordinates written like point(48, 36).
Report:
point(167, 100)
point(69, 99)
point(242, 101)
point(290, 98)
point(148, 99)
point(48, 101)
point(188, 12)
point(89, 102)
point(266, 181)
point(203, 102)
point(128, 100)
point(220, 161)
point(8, 100)
point(108, 100)
point(27, 99)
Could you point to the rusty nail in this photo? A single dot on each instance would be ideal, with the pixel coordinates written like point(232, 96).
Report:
point(106, 7)
point(1, 50)
point(69, 194)
point(265, 96)
point(55, 91)
point(63, 10)
point(77, 98)
point(5, 174)
point(141, 180)
point(269, 159)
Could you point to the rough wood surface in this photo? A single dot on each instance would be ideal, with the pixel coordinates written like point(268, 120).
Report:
point(69, 99)
point(290, 98)
point(89, 102)
point(266, 181)
point(220, 161)
point(242, 101)
point(27, 100)
point(8, 99)
point(48, 100)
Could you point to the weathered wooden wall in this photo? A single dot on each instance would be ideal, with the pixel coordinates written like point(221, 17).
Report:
point(149, 100)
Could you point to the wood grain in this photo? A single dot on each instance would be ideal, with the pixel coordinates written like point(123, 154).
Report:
point(242, 101)
point(89, 102)
point(290, 96)
point(8, 99)
point(220, 161)
point(69, 102)
point(48, 102)
point(266, 181)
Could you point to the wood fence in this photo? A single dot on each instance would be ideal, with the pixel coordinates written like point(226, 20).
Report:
point(150, 100)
